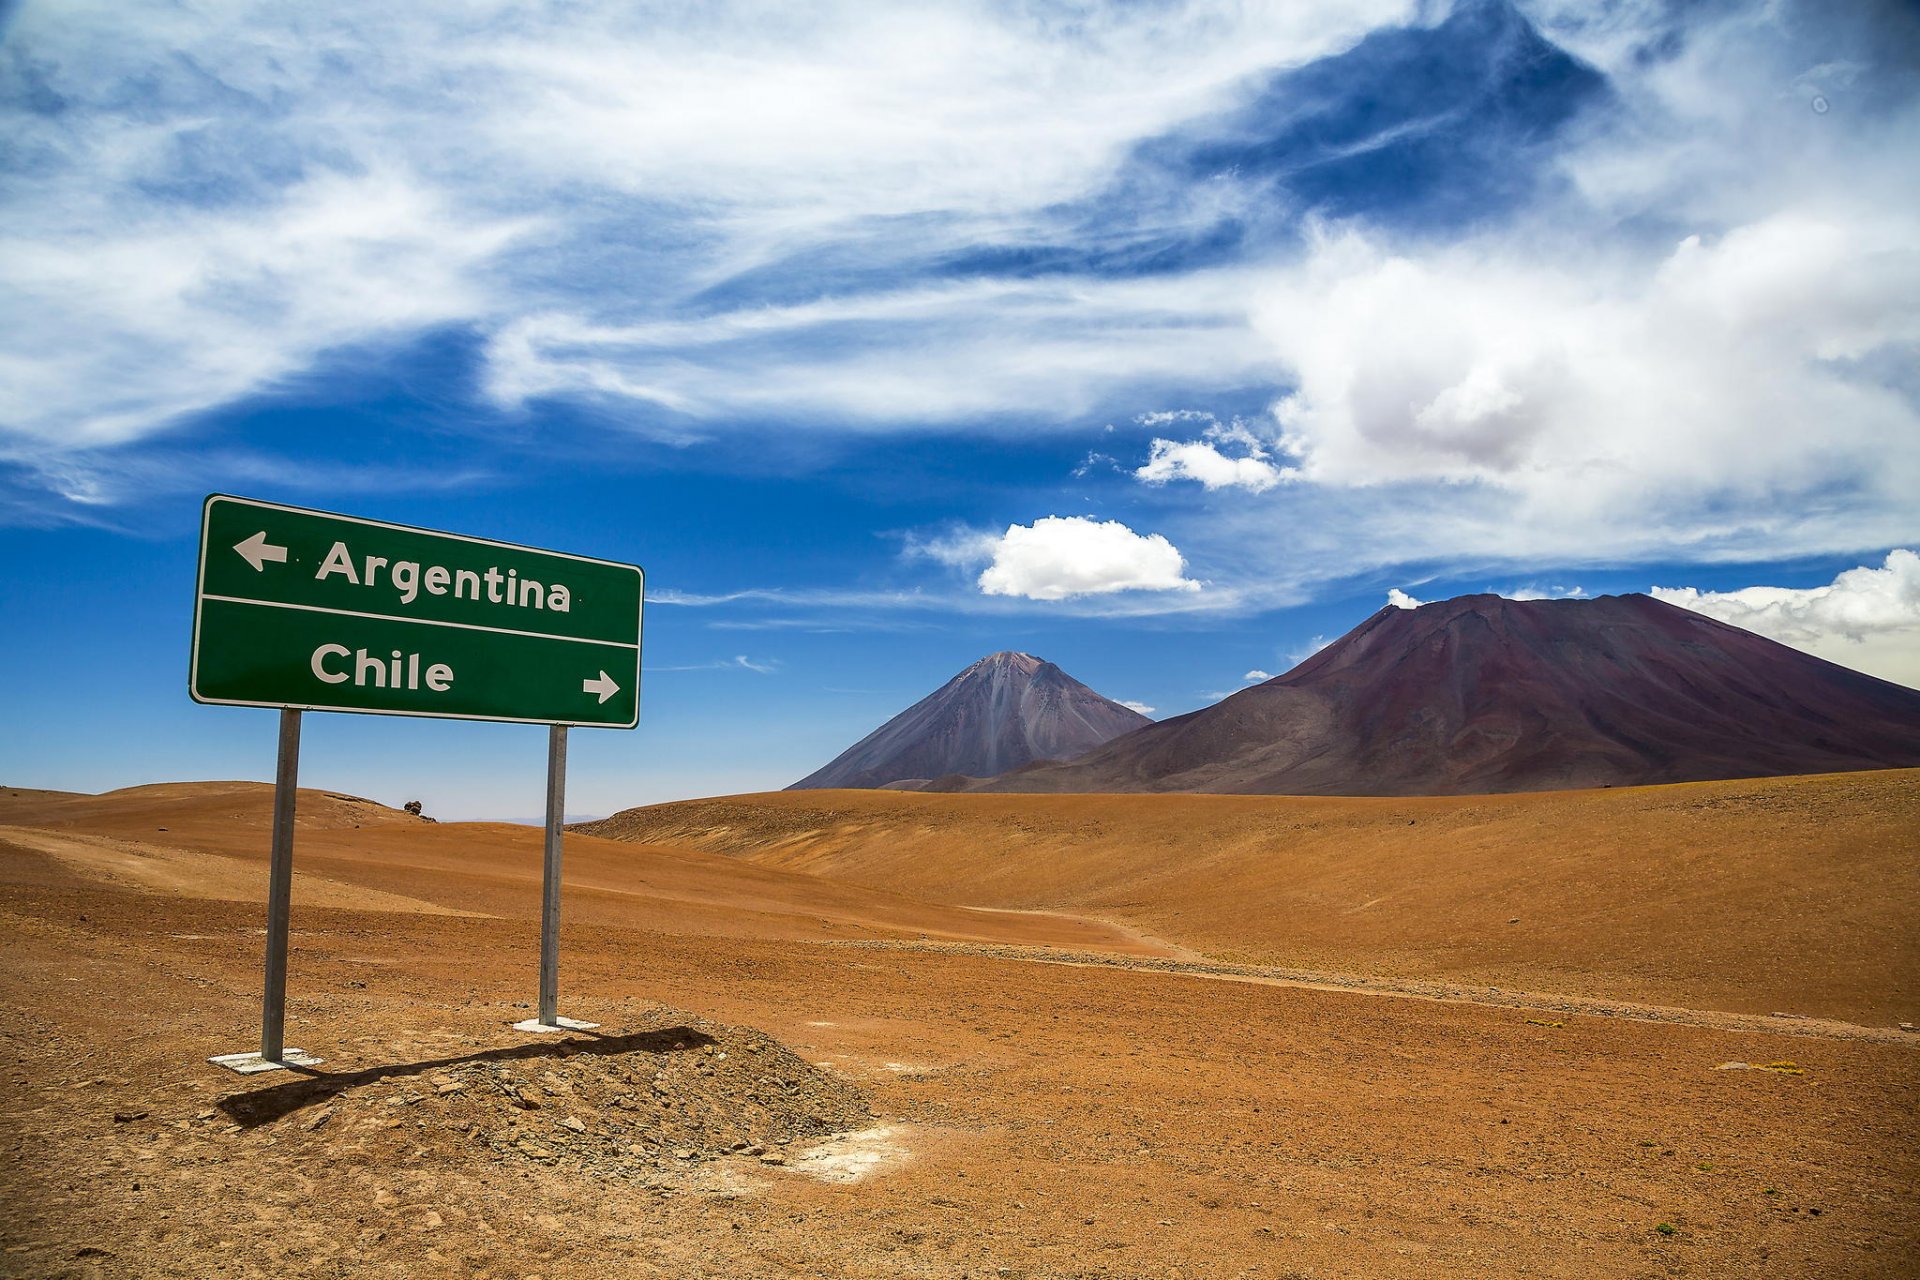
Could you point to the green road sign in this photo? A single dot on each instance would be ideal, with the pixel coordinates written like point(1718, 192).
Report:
point(321, 612)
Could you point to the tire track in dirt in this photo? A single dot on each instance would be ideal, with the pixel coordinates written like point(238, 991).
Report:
point(1786, 1024)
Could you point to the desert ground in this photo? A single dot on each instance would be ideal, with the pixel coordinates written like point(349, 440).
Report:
point(1637, 1032)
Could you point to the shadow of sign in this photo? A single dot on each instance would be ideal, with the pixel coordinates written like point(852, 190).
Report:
point(264, 1106)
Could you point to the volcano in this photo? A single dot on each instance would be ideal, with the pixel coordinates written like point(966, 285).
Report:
point(1482, 694)
point(1004, 711)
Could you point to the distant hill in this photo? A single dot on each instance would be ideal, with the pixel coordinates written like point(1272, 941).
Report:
point(1482, 694)
point(1799, 894)
point(1004, 711)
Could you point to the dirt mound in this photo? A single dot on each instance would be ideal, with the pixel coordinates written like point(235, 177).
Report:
point(1480, 694)
point(647, 1103)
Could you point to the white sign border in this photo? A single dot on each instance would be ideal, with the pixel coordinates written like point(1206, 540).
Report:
point(200, 595)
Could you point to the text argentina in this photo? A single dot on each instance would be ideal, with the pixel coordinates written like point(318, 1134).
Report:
point(410, 578)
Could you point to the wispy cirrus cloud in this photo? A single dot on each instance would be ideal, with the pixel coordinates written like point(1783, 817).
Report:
point(146, 315)
point(970, 352)
point(213, 199)
point(739, 662)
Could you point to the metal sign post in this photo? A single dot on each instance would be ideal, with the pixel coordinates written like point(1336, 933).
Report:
point(273, 1000)
point(549, 1018)
point(307, 610)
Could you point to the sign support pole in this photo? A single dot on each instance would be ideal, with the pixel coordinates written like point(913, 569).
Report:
point(286, 786)
point(549, 1018)
point(273, 996)
point(550, 886)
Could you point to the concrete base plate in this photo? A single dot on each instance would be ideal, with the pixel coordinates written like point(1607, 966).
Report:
point(561, 1024)
point(248, 1064)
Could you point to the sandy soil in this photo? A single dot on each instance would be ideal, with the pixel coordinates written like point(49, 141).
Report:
point(853, 1100)
point(1796, 895)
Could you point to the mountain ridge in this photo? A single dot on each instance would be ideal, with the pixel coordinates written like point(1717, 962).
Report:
point(1480, 694)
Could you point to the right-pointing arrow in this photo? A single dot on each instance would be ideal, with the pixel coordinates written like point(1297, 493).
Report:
point(256, 551)
point(605, 686)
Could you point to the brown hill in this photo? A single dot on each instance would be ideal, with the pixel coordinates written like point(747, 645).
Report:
point(1482, 694)
point(1004, 711)
point(210, 841)
point(1796, 894)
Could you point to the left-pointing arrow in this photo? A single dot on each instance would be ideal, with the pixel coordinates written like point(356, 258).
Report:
point(256, 551)
point(605, 686)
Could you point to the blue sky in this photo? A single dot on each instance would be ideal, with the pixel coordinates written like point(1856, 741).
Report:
point(1161, 340)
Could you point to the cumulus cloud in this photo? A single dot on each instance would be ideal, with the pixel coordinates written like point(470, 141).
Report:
point(1858, 603)
point(1058, 557)
point(1228, 455)
point(1256, 675)
point(1867, 618)
point(1141, 707)
point(1578, 388)
point(1673, 352)
point(1401, 600)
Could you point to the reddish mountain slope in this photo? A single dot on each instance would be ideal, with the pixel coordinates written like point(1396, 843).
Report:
point(1482, 694)
point(1004, 711)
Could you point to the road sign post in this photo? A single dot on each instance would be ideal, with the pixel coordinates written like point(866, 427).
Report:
point(311, 611)
point(273, 998)
point(548, 1018)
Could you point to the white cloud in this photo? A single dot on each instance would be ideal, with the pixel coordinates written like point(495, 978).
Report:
point(1168, 417)
point(1256, 675)
point(1141, 707)
point(1599, 392)
point(739, 662)
point(957, 548)
point(1543, 593)
point(1867, 618)
point(1858, 603)
point(1401, 600)
point(1058, 557)
point(790, 119)
point(1044, 350)
point(1207, 460)
point(1307, 650)
point(182, 312)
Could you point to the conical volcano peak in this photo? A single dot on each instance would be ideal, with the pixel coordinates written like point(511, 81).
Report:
point(1006, 710)
point(1010, 660)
